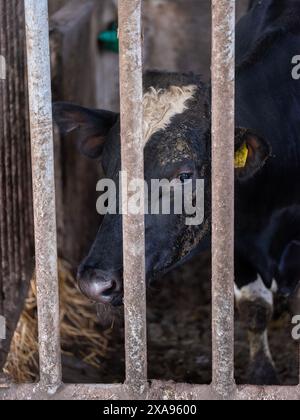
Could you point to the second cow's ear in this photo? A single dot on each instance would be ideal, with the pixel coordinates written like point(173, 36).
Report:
point(251, 153)
point(91, 127)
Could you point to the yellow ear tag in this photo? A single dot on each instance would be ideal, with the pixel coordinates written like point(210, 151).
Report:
point(241, 156)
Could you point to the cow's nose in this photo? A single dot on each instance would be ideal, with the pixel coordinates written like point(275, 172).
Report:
point(100, 286)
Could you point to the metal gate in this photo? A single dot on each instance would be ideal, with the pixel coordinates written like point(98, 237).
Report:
point(223, 81)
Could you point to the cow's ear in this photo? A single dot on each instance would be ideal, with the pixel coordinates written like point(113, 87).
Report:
point(251, 153)
point(90, 127)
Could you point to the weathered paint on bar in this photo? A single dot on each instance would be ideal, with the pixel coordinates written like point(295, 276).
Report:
point(131, 86)
point(223, 72)
point(39, 84)
point(167, 391)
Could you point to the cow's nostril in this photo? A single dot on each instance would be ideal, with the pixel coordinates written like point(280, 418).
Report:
point(110, 290)
point(100, 286)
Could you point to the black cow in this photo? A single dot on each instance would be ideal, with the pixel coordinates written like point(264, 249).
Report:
point(177, 147)
point(267, 235)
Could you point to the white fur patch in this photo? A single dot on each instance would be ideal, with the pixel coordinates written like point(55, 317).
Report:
point(253, 291)
point(160, 106)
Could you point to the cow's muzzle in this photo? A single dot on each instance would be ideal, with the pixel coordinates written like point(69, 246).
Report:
point(101, 286)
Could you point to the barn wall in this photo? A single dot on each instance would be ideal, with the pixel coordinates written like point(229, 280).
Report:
point(55, 5)
point(177, 34)
point(16, 219)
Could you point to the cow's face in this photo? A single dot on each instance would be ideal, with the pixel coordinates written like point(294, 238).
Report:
point(177, 149)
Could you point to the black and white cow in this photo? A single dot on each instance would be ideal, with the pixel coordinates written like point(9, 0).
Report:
point(267, 232)
point(177, 147)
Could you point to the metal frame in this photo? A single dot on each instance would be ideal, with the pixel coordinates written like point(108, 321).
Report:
point(136, 385)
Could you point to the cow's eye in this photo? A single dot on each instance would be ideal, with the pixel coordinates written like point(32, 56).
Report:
point(185, 177)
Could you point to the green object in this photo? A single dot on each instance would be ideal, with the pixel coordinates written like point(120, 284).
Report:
point(109, 39)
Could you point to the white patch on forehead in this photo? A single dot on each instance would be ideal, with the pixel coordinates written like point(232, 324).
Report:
point(161, 105)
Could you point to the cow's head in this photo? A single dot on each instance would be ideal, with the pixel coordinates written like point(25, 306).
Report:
point(176, 147)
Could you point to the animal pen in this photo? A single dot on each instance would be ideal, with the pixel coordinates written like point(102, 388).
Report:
point(136, 385)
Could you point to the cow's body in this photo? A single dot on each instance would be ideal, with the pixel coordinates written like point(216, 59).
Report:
point(268, 101)
point(267, 223)
point(177, 146)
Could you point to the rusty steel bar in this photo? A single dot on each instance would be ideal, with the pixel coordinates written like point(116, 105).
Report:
point(158, 390)
point(223, 78)
point(131, 90)
point(39, 85)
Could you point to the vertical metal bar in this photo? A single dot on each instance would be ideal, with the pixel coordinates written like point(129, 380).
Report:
point(223, 77)
point(131, 81)
point(39, 85)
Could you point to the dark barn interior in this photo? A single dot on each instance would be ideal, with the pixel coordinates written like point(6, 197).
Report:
point(85, 71)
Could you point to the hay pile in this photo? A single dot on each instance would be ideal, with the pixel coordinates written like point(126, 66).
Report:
point(82, 336)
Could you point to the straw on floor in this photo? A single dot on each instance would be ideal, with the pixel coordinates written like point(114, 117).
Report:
point(81, 333)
